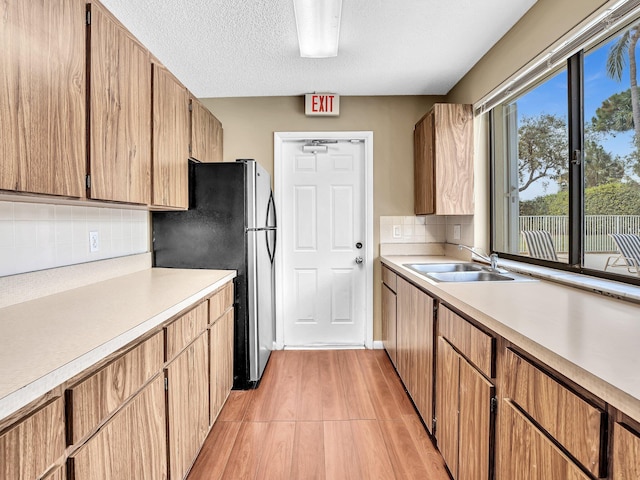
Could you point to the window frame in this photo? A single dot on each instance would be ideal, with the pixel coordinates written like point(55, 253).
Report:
point(575, 153)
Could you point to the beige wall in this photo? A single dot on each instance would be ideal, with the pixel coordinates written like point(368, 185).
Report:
point(249, 124)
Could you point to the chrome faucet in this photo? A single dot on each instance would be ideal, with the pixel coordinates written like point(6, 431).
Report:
point(491, 259)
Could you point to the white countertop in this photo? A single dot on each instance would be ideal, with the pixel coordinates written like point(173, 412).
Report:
point(591, 339)
point(47, 341)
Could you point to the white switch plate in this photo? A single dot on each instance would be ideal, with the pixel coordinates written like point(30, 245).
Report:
point(456, 232)
point(397, 231)
point(94, 242)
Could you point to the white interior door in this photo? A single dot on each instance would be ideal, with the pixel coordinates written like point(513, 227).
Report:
point(322, 220)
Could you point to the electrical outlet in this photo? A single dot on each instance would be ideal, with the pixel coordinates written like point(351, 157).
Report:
point(94, 242)
point(456, 232)
point(397, 231)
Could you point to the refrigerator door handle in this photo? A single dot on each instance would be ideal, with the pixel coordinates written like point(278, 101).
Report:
point(271, 207)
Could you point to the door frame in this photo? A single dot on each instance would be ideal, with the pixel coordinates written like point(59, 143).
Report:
point(279, 138)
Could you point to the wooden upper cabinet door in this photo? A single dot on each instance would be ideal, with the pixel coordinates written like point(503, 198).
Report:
point(170, 141)
point(42, 97)
point(120, 112)
point(443, 159)
point(206, 134)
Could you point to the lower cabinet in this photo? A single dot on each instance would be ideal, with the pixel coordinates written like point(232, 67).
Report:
point(415, 347)
point(389, 318)
point(464, 417)
point(57, 474)
point(221, 364)
point(32, 446)
point(131, 445)
point(626, 453)
point(537, 409)
point(531, 455)
point(187, 379)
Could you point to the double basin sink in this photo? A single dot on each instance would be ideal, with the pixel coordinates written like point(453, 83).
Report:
point(458, 272)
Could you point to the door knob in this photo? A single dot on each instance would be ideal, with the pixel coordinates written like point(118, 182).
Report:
point(359, 260)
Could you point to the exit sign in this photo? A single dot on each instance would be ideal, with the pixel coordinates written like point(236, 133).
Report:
point(327, 104)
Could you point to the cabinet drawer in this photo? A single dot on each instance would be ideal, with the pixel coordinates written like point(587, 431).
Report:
point(91, 400)
point(529, 454)
point(389, 278)
point(220, 302)
point(572, 421)
point(626, 453)
point(182, 331)
point(29, 448)
point(473, 343)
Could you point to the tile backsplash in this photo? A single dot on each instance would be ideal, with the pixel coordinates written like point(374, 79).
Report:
point(36, 236)
point(427, 229)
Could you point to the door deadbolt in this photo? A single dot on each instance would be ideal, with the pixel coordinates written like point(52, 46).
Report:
point(358, 245)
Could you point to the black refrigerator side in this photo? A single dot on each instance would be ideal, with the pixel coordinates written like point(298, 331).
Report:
point(211, 234)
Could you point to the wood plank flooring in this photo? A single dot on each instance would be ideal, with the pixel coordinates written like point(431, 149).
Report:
point(330, 414)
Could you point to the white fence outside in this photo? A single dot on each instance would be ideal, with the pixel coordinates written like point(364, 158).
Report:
point(596, 228)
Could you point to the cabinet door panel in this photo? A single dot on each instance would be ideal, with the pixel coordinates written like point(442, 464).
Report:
point(206, 134)
point(29, 448)
point(221, 364)
point(405, 314)
point(447, 399)
point(475, 424)
point(423, 356)
point(187, 405)
point(626, 454)
point(120, 112)
point(526, 454)
point(131, 446)
point(424, 170)
point(42, 97)
point(389, 322)
point(170, 140)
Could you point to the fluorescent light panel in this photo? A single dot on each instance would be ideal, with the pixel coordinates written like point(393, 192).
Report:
point(318, 23)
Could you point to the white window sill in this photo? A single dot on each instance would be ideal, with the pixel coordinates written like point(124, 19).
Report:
point(602, 286)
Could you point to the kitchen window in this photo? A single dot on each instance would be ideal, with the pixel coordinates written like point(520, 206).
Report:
point(566, 164)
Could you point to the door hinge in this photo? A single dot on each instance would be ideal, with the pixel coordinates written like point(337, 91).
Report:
point(88, 17)
point(433, 426)
point(166, 383)
point(190, 106)
point(88, 182)
point(494, 404)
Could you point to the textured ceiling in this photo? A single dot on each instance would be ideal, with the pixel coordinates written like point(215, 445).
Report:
point(240, 48)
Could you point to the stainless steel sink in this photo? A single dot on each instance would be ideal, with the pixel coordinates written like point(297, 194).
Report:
point(425, 268)
point(480, 276)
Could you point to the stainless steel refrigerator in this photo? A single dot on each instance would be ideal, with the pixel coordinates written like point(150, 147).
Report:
point(230, 224)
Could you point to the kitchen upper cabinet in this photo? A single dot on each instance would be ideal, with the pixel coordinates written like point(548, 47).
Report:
point(415, 354)
point(443, 161)
point(626, 453)
point(131, 445)
point(206, 134)
point(464, 418)
point(119, 112)
point(389, 321)
point(33, 445)
point(42, 97)
point(187, 406)
point(563, 416)
point(170, 141)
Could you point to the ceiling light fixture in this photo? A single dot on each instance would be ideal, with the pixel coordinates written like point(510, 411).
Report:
point(318, 24)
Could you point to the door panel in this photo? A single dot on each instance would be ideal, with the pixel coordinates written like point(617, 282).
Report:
point(322, 219)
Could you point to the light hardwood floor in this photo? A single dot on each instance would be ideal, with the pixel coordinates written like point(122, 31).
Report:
point(338, 414)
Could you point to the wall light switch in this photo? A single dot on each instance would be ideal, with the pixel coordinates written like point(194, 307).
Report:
point(397, 231)
point(456, 232)
point(94, 242)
